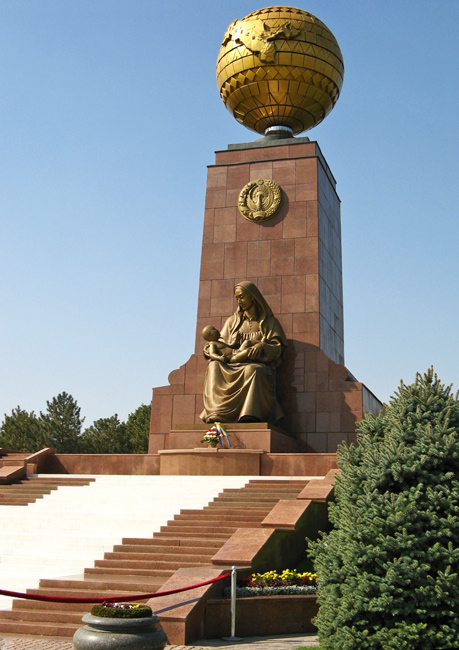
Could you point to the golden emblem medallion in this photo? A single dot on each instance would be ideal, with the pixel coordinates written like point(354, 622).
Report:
point(260, 200)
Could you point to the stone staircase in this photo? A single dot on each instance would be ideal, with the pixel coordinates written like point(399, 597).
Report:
point(12, 465)
point(72, 526)
point(9, 457)
point(35, 487)
point(15, 465)
point(141, 563)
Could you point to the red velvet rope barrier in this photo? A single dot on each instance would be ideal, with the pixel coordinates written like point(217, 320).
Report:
point(111, 599)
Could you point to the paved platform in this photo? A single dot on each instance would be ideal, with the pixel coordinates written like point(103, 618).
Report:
point(288, 642)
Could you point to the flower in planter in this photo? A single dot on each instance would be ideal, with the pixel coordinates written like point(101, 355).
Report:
point(271, 583)
point(121, 610)
point(117, 625)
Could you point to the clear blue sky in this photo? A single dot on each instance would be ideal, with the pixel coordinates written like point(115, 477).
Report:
point(109, 115)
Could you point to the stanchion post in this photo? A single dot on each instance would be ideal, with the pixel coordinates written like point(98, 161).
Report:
point(233, 636)
point(233, 601)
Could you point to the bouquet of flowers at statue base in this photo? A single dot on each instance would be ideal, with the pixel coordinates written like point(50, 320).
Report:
point(216, 434)
point(211, 437)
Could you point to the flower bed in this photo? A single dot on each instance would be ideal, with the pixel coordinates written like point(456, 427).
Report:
point(121, 610)
point(271, 583)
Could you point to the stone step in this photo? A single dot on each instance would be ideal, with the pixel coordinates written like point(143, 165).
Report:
point(265, 496)
point(270, 488)
point(37, 605)
point(174, 542)
point(55, 549)
point(234, 503)
point(105, 523)
point(63, 563)
point(279, 481)
point(147, 564)
point(149, 549)
point(83, 593)
point(36, 628)
point(263, 500)
point(25, 488)
point(202, 527)
point(16, 501)
point(213, 533)
point(24, 495)
point(210, 517)
point(14, 461)
point(162, 557)
point(222, 513)
point(132, 571)
point(45, 616)
point(227, 510)
point(267, 489)
point(59, 480)
point(44, 534)
point(21, 578)
point(135, 584)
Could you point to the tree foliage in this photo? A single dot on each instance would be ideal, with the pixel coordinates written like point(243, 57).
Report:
point(61, 428)
point(61, 424)
point(138, 429)
point(21, 431)
point(105, 436)
point(388, 572)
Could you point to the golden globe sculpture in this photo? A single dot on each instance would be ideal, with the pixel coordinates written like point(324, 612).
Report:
point(279, 69)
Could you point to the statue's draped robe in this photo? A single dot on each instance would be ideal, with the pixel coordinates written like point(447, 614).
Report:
point(246, 390)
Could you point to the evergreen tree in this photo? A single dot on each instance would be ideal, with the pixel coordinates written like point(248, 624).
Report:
point(138, 429)
point(388, 570)
point(61, 424)
point(21, 431)
point(105, 436)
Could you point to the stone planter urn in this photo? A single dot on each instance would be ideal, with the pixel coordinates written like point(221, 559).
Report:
point(102, 633)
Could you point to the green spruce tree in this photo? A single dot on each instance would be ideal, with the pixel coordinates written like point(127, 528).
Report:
point(21, 431)
point(138, 429)
point(105, 436)
point(389, 569)
point(61, 424)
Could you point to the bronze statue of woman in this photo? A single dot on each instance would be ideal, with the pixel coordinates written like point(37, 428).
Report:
point(246, 391)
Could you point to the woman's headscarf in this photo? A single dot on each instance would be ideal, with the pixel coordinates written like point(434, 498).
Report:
point(270, 327)
point(264, 310)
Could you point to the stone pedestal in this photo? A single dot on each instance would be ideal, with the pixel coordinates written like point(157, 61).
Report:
point(205, 461)
point(119, 634)
point(295, 260)
point(242, 436)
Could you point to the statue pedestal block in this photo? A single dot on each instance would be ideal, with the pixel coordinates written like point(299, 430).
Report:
point(243, 436)
point(210, 462)
point(185, 455)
